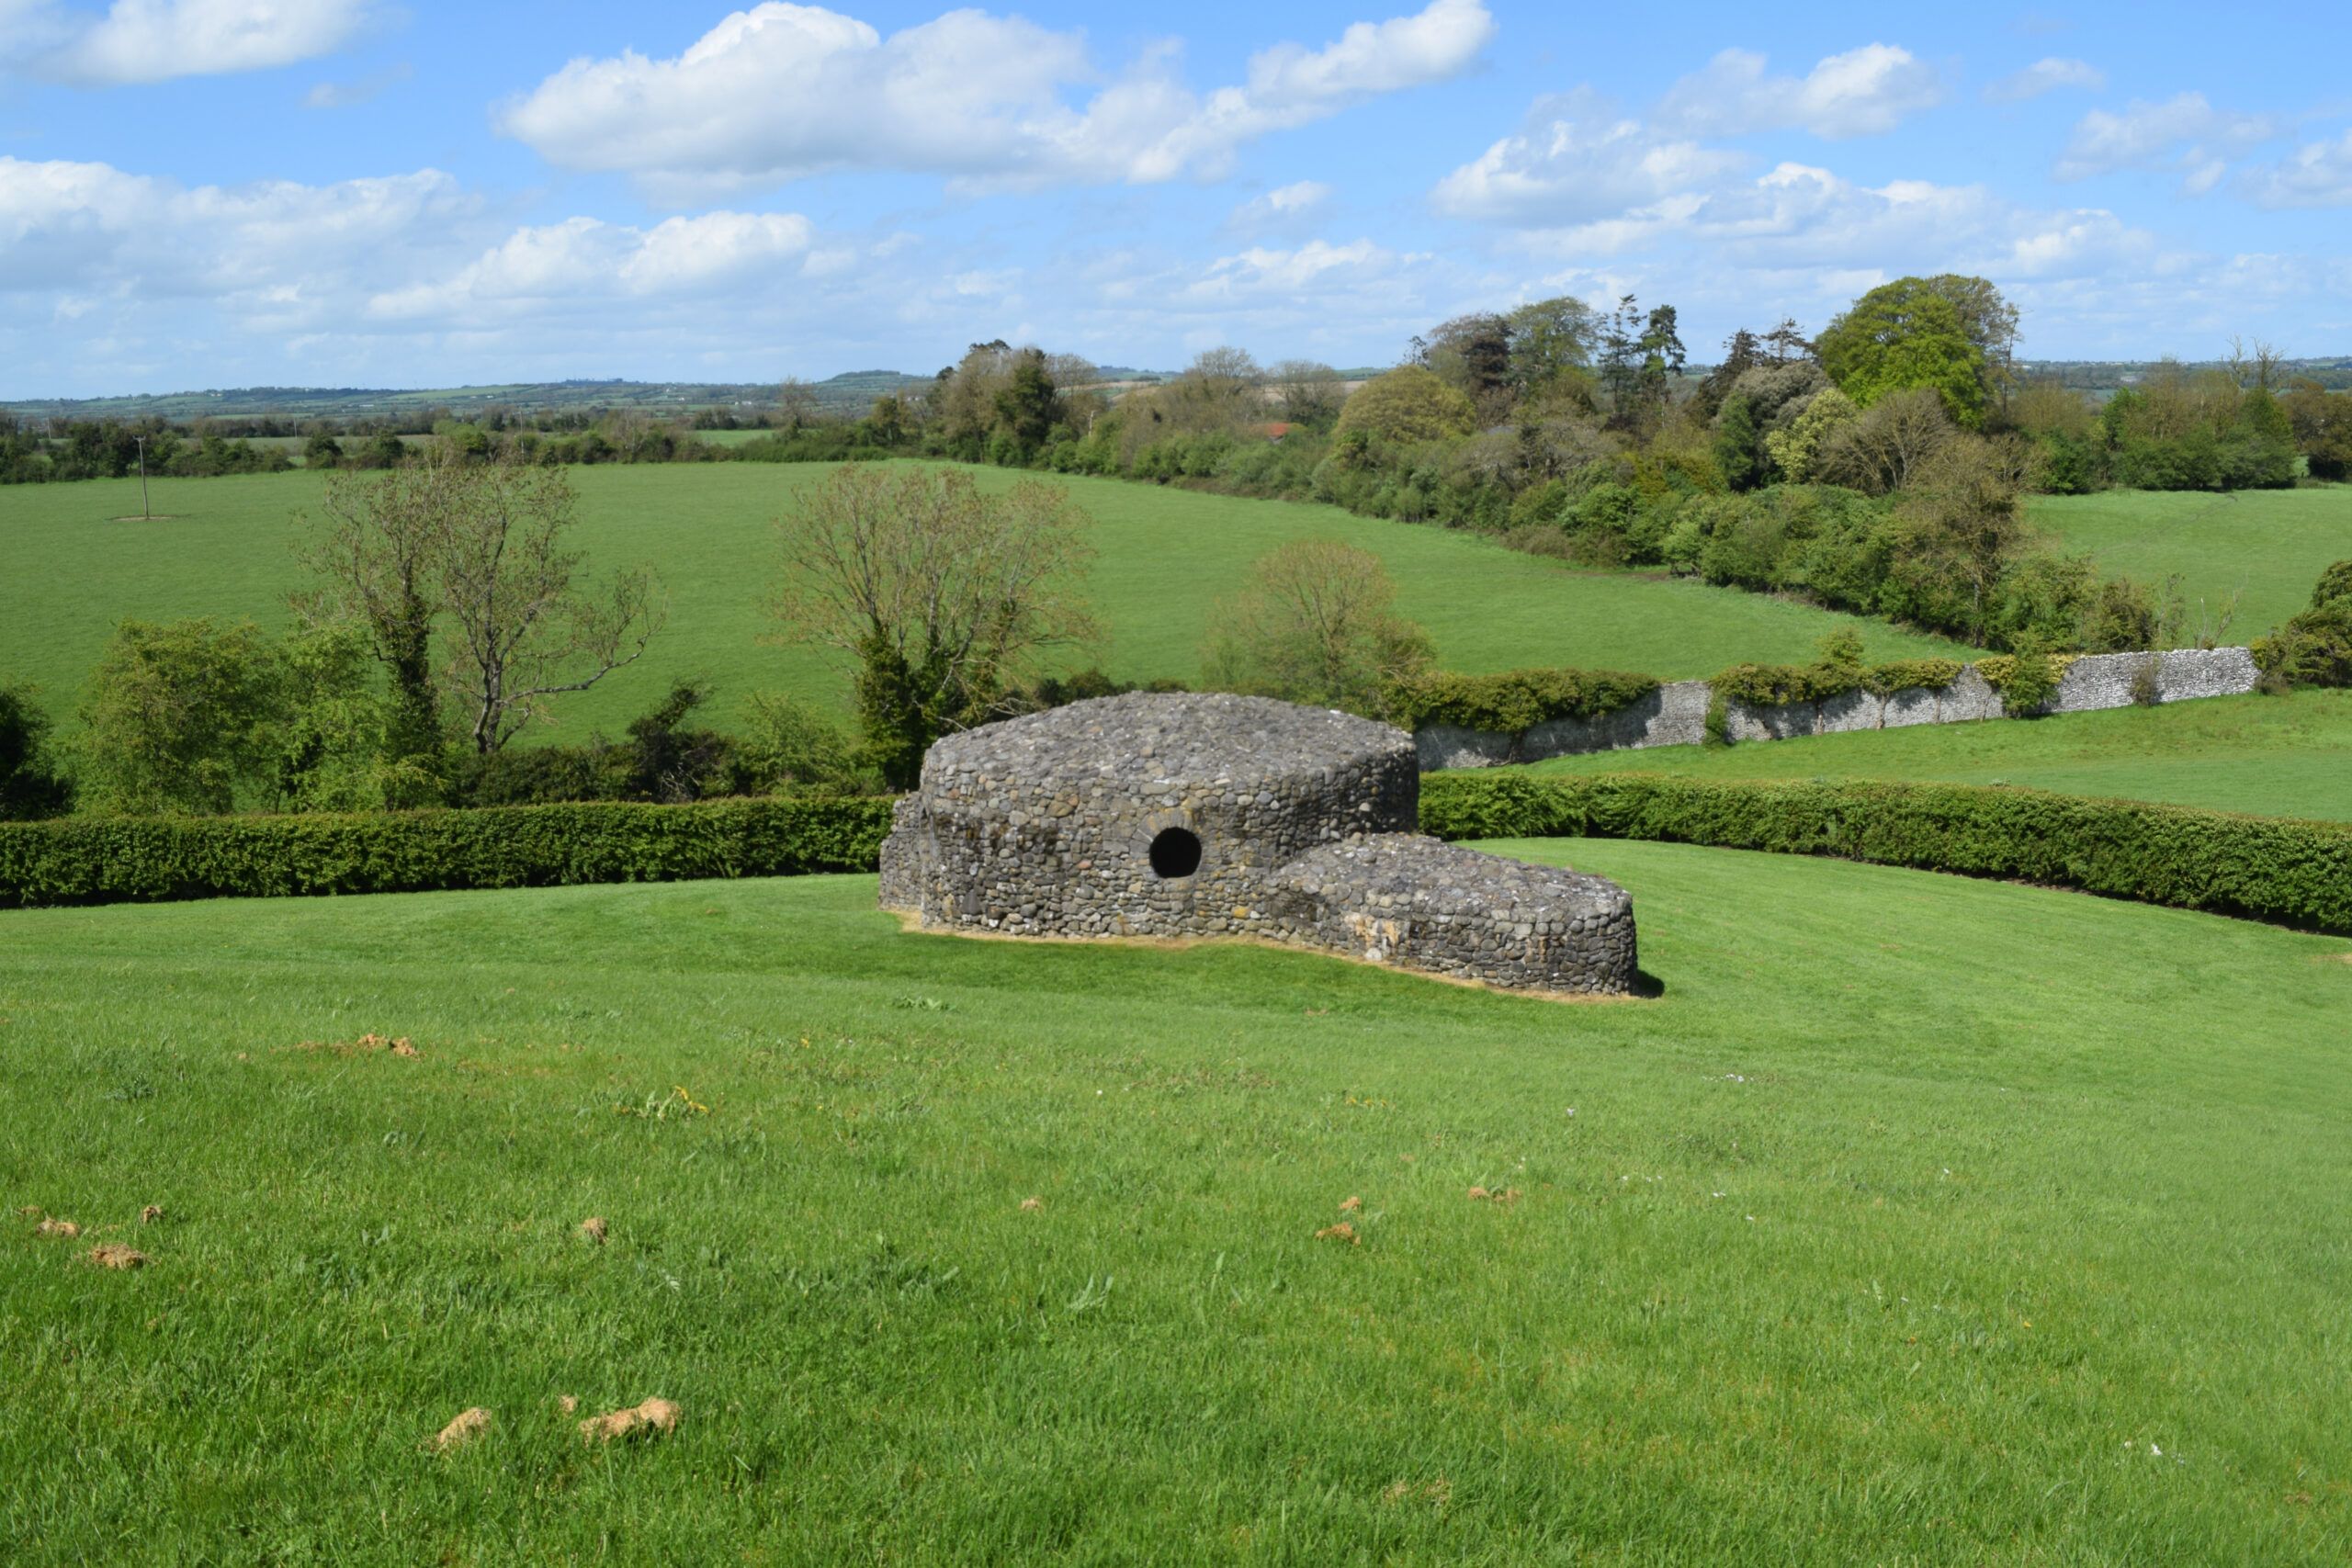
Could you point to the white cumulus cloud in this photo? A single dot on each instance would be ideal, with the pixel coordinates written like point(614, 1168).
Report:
point(1292, 206)
point(583, 263)
point(2318, 173)
point(2046, 75)
point(1314, 265)
point(1863, 92)
point(782, 91)
point(157, 40)
point(2184, 130)
point(97, 227)
point(1797, 217)
point(1575, 160)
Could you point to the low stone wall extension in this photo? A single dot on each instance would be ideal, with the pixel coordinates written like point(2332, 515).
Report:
point(1676, 715)
point(2109, 679)
point(1969, 697)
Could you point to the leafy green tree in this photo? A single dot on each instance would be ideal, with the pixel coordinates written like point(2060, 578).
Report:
point(1742, 352)
point(2314, 649)
point(1472, 355)
point(887, 421)
point(1307, 392)
point(1960, 525)
point(1739, 446)
point(374, 550)
point(2262, 448)
point(788, 744)
point(2322, 423)
point(1989, 321)
point(331, 743)
point(1315, 623)
point(1551, 342)
point(1409, 403)
point(1640, 357)
point(29, 786)
point(1905, 334)
point(1025, 406)
point(180, 717)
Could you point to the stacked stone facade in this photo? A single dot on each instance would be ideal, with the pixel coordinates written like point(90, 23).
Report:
point(1183, 815)
point(1676, 713)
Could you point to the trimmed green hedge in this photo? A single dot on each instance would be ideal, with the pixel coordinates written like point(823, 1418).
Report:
point(1775, 685)
point(1515, 700)
point(114, 859)
point(2292, 872)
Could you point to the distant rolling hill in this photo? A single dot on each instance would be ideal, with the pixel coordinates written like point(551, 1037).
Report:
point(851, 390)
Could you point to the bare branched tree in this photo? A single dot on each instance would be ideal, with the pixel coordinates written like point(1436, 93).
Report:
point(935, 592)
point(520, 629)
point(467, 558)
point(1892, 441)
point(1316, 624)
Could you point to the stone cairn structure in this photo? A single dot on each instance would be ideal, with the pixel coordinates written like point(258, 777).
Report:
point(1199, 815)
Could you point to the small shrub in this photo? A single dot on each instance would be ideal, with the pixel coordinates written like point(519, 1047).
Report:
point(2025, 679)
point(1516, 700)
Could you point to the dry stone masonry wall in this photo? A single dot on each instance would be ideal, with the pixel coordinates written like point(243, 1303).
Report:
point(1202, 815)
point(1676, 715)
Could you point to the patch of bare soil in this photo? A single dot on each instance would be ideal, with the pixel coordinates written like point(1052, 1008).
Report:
point(462, 1429)
point(654, 1418)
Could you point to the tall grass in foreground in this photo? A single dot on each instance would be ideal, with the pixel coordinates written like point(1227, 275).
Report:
point(1920, 1220)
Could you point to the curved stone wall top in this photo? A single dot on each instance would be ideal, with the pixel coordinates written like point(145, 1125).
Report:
point(1145, 744)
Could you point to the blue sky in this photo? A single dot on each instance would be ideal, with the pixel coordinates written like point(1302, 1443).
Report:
point(211, 193)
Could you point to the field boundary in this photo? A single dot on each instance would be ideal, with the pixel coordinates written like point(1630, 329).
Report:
point(2278, 870)
point(103, 860)
point(1675, 714)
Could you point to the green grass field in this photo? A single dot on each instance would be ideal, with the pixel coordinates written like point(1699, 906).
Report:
point(2272, 545)
point(1920, 1220)
point(1164, 559)
point(2288, 756)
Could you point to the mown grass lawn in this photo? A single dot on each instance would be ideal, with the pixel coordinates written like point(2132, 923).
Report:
point(1920, 1220)
point(2268, 546)
point(2284, 756)
point(1164, 559)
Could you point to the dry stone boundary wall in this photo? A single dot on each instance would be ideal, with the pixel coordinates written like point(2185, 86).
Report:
point(1676, 713)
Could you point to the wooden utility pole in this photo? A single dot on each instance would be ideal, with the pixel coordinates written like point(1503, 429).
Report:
point(146, 513)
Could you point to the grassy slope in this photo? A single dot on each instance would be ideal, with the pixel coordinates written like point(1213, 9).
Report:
point(1908, 1226)
point(1166, 556)
point(2271, 544)
point(2286, 756)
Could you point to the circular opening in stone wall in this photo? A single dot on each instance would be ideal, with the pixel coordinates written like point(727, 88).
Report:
point(1176, 853)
